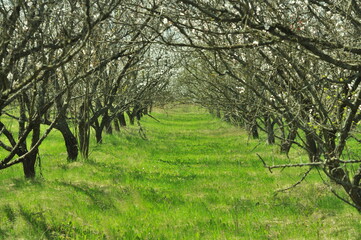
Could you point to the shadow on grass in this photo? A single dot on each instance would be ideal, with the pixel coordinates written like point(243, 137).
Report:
point(3, 234)
point(99, 198)
point(19, 183)
point(9, 212)
point(143, 175)
point(205, 161)
point(286, 204)
point(37, 221)
point(64, 230)
point(161, 197)
point(110, 167)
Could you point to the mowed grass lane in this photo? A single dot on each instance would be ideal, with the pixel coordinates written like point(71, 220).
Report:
point(195, 177)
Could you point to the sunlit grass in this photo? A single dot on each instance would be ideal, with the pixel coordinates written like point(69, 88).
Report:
point(194, 178)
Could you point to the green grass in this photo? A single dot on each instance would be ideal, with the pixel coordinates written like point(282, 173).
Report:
point(194, 178)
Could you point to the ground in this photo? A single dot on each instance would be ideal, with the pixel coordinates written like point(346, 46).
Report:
point(194, 177)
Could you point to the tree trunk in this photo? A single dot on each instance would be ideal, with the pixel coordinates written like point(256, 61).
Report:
point(121, 119)
point(108, 127)
point(145, 110)
point(312, 149)
point(28, 163)
point(71, 142)
point(287, 142)
point(116, 125)
point(227, 117)
point(254, 131)
point(340, 176)
point(150, 107)
point(270, 130)
point(330, 142)
point(83, 139)
point(107, 123)
point(30, 160)
point(29, 167)
point(84, 131)
point(139, 115)
point(99, 134)
point(98, 128)
point(131, 117)
point(218, 113)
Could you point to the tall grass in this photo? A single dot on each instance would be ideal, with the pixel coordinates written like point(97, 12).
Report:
point(195, 177)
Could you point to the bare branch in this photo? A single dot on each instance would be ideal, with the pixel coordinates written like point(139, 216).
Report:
point(297, 183)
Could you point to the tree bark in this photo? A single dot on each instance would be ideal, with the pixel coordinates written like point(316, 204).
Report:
point(84, 131)
point(270, 130)
point(218, 113)
point(107, 123)
point(30, 160)
point(287, 142)
point(29, 167)
point(99, 134)
point(253, 130)
point(340, 176)
point(70, 140)
point(131, 117)
point(312, 149)
point(116, 125)
point(121, 119)
point(71, 143)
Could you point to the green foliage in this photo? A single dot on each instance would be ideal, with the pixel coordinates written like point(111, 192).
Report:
point(194, 178)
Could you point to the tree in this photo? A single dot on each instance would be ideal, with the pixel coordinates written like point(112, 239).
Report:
point(38, 39)
point(303, 62)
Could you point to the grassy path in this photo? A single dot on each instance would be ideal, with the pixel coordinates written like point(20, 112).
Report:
point(194, 178)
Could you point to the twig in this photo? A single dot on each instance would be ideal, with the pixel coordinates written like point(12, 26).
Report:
point(304, 164)
point(259, 143)
point(264, 163)
point(152, 117)
point(10, 115)
point(350, 161)
point(296, 165)
point(289, 165)
point(141, 131)
point(297, 183)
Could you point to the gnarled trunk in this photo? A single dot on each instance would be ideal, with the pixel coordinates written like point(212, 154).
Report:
point(70, 140)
